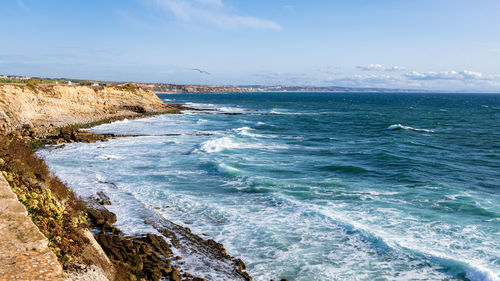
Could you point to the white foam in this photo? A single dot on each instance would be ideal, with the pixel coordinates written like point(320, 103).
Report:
point(230, 109)
point(399, 126)
point(246, 131)
point(217, 145)
point(230, 142)
point(192, 104)
point(227, 169)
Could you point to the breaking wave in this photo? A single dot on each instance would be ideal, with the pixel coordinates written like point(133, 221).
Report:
point(396, 127)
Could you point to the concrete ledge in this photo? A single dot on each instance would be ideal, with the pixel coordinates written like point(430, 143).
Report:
point(24, 253)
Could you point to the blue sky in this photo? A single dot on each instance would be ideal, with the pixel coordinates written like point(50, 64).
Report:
point(430, 44)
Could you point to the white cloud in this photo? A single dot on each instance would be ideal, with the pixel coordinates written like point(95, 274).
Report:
point(465, 75)
point(446, 80)
point(214, 12)
point(379, 67)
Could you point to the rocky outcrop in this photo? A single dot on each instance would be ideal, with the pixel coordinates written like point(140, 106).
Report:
point(45, 107)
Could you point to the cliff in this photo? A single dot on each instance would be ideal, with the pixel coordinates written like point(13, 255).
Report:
point(47, 106)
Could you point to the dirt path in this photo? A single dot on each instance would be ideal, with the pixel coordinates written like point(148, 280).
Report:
point(24, 254)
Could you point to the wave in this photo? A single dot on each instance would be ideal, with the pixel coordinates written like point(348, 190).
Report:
point(216, 145)
point(456, 266)
point(245, 131)
point(231, 109)
point(229, 142)
point(402, 127)
point(199, 104)
point(282, 112)
point(229, 170)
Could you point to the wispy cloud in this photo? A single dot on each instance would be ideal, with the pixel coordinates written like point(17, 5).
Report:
point(379, 67)
point(367, 80)
point(21, 5)
point(213, 12)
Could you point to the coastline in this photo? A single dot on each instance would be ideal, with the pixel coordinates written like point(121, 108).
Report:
point(149, 256)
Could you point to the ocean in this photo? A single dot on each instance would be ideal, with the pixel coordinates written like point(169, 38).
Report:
point(312, 186)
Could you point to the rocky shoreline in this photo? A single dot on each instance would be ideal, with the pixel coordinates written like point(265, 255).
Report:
point(149, 256)
point(51, 115)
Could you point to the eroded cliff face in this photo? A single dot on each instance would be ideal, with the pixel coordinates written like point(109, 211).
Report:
point(45, 106)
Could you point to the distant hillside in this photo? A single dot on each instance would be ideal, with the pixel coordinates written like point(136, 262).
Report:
point(187, 88)
point(176, 88)
point(260, 88)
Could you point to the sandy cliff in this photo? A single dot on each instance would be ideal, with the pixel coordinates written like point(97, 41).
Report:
point(59, 105)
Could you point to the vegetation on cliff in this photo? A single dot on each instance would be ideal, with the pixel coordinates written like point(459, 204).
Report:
point(51, 205)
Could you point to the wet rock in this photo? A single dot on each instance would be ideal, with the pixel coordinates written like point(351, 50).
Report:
point(101, 216)
point(240, 264)
point(66, 135)
point(103, 199)
point(61, 146)
point(175, 275)
point(160, 244)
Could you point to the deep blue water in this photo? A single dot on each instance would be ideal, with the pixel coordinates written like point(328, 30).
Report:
point(315, 186)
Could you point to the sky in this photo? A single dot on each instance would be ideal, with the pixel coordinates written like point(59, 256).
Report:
point(426, 44)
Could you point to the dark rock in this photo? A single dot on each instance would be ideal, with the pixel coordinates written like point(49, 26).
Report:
point(61, 146)
point(175, 275)
point(101, 216)
point(160, 244)
point(102, 198)
point(135, 108)
point(240, 264)
point(138, 264)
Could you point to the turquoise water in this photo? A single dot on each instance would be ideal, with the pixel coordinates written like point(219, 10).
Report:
point(314, 186)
